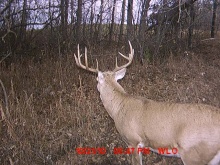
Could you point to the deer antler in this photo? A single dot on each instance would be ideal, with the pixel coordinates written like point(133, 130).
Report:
point(79, 63)
point(129, 58)
point(86, 67)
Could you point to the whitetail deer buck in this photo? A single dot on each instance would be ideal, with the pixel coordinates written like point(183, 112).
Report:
point(193, 129)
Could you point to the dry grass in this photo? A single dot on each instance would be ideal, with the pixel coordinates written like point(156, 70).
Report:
point(55, 107)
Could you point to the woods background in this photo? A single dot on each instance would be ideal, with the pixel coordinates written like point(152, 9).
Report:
point(153, 26)
point(49, 107)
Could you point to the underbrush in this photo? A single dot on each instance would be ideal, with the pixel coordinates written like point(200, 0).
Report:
point(54, 107)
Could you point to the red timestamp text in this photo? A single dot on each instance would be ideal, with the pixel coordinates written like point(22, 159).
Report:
point(90, 151)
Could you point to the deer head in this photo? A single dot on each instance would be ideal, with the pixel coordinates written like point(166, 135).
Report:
point(107, 81)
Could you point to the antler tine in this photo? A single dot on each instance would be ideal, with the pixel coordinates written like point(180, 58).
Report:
point(77, 59)
point(129, 58)
point(86, 67)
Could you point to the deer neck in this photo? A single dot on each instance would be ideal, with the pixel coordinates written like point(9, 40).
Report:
point(112, 96)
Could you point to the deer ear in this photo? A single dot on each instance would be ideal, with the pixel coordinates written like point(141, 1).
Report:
point(120, 74)
point(100, 77)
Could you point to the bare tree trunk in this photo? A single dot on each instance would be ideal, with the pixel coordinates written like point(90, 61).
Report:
point(22, 36)
point(79, 21)
point(50, 38)
point(83, 31)
point(129, 20)
point(91, 21)
point(50, 16)
point(62, 26)
point(66, 13)
point(72, 22)
point(213, 18)
point(65, 30)
point(122, 21)
point(145, 6)
point(112, 22)
point(190, 29)
point(62, 14)
point(72, 11)
point(100, 20)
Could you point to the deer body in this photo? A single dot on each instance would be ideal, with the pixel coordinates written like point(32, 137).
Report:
point(194, 129)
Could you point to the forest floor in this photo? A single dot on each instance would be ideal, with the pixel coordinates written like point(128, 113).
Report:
point(55, 107)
